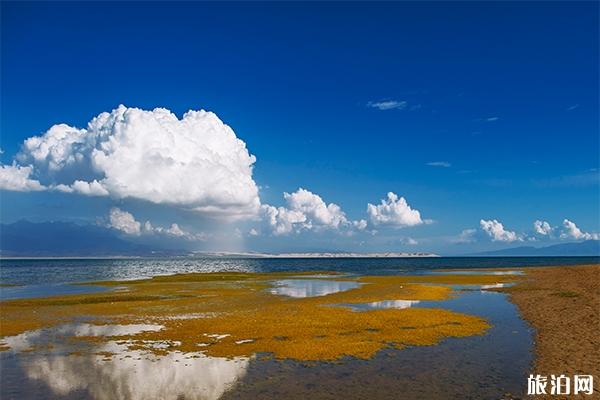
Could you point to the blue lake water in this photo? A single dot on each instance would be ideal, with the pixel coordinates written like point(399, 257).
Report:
point(51, 271)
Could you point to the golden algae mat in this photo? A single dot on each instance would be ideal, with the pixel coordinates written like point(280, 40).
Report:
point(238, 314)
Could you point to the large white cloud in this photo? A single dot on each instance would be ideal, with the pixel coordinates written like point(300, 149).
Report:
point(307, 211)
point(394, 211)
point(572, 231)
point(196, 162)
point(17, 178)
point(496, 231)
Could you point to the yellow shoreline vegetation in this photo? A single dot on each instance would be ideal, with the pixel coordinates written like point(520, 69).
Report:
point(234, 314)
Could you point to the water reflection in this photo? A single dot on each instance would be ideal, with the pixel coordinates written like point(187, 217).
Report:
point(494, 286)
point(112, 371)
point(29, 339)
point(311, 287)
point(44, 290)
point(134, 375)
point(475, 272)
point(377, 305)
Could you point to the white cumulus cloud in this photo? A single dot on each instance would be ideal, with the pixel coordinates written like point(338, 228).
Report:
point(305, 210)
point(361, 224)
point(195, 162)
point(93, 188)
point(496, 231)
point(124, 222)
point(317, 212)
point(394, 211)
point(281, 220)
point(542, 227)
point(17, 178)
point(571, 231)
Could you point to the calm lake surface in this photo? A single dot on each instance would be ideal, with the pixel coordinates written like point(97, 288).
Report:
point(56, 271)
point(475, 367)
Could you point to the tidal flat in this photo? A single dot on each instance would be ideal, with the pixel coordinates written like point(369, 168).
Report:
point(268, 335)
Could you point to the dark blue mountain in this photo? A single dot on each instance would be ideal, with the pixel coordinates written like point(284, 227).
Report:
point(586, 248)
point(24, 238)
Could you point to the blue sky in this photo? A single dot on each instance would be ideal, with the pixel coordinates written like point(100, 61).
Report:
point(470, 111)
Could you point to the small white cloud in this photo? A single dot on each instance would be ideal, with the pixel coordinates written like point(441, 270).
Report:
point(253, 232)
point(492, 119)
point(573, 107)
point(360, 224)
point(93, 188)
point(443, 164)
point(571, 231)
point(124, 222)
point(542, 227)
point(387, 105)
point(496, 231)
point(175, 230)
point(394, 212)
point(16, 178)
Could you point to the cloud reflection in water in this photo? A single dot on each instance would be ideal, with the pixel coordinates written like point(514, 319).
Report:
point(311, 287)
point(128, 374)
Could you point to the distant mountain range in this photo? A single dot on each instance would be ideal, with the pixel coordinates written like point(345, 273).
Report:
point(586, 248)
point(66, 239)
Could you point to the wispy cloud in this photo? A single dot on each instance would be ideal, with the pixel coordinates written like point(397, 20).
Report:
point(492, 119)
point(387, 105)
point(571, 108)
point(443, 164)
point(589, 178)
point(466, 236)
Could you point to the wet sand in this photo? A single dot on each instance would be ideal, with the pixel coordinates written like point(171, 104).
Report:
point(563, 305)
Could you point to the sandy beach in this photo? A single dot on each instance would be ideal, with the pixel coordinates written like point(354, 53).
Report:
point(563, 305)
